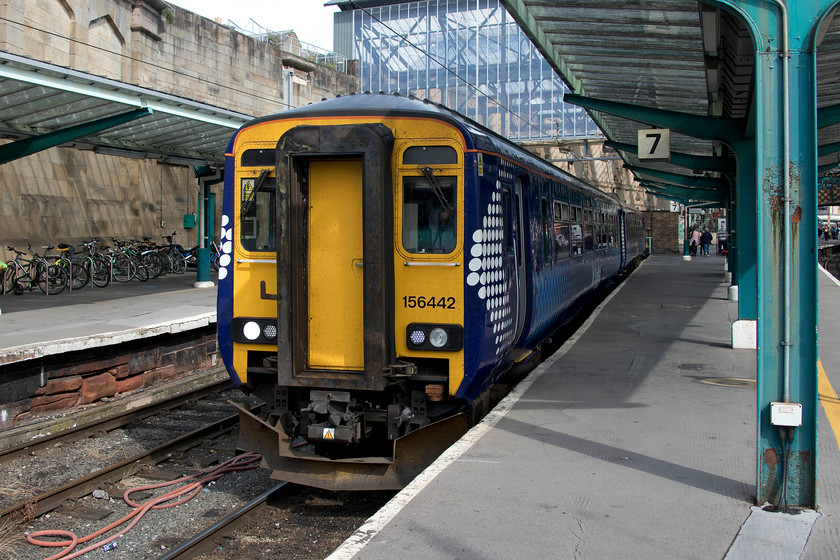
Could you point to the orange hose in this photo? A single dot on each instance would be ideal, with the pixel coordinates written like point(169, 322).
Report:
point(239, 463)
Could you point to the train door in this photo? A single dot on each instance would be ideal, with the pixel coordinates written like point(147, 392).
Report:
point(622, 236)
point(334, 265)
point(335, 256)
point(519, 230)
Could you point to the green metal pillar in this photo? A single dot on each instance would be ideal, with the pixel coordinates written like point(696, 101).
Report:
point(747, 234)
point(786, 216)
point(207, 177)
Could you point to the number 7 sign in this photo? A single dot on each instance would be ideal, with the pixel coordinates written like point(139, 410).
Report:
point(655, 143)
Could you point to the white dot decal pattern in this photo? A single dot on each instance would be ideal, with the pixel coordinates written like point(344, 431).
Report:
point(226, 236)
point(486, 266)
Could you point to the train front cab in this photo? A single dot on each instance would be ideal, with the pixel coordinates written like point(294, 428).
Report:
point(366, 295)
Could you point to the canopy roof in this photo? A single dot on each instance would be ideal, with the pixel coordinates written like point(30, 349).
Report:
point(43, 105)
point(672, 55)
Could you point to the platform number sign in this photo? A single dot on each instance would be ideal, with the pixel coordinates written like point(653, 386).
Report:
point(655, 143)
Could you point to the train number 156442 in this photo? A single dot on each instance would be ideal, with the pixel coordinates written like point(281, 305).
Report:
point(422, 302)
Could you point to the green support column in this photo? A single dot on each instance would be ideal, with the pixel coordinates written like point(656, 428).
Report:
point(785, 160)
point(747, 235)
point(207, 177)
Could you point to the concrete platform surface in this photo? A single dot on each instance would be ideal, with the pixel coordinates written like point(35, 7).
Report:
point(34, 325)
point(635, 440)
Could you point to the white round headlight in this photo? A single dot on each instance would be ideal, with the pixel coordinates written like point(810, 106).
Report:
point(251, 330)
point(438, 337)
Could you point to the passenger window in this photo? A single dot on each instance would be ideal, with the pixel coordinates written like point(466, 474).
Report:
point(258, 199)
point(576, 234)
point(562, 242)
point(588, 238)
point(429, 214)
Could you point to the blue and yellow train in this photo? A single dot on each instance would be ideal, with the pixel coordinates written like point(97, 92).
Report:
point(385, 260)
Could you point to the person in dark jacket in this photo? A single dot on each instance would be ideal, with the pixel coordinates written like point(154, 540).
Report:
point(706, 241)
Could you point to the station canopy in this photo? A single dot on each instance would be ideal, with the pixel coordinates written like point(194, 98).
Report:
point(44, 105)
point(674, 55)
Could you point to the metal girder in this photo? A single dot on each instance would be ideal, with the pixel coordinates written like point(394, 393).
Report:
point(828, 149)
point(726, 130)
point(709, 183)
point(29, 146)
point(827, 167)
point(686, 193)
point(717, 164)
point(827, 116)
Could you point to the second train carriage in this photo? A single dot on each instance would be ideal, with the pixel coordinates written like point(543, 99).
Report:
point(385, 260)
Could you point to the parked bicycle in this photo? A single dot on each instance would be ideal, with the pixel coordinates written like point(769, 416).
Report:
point(29, 273)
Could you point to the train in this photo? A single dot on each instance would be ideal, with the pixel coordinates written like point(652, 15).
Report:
point(384, 261)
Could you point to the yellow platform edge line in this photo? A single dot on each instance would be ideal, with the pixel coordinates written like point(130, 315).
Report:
point(830, 402)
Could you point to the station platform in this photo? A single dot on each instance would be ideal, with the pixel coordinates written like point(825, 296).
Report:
point(34, 325)
point(637, 439)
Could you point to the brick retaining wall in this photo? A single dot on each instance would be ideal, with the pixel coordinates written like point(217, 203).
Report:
point(62, 382)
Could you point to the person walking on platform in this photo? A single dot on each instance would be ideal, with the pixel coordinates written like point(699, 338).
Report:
point(706, 241)
point(694, 242)
point(721, 244)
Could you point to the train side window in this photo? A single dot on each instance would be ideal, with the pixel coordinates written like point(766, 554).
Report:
point(429, 215)
point(576, 230)
point(562, 243)
point(258, 199)
point(426, 155)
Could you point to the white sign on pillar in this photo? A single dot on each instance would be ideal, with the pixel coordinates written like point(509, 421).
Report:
point(655, 143)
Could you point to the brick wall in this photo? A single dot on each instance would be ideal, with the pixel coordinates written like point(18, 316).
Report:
point(55, 383)
point(663, 228)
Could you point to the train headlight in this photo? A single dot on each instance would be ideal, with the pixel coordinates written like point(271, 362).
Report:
point(270, 331)
point(417, 337)
point(254, 330)
point(438, 337)
point(251, 330)
point(423, 336)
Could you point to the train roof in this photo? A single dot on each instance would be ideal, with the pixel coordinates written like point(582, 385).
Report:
point(477, 136)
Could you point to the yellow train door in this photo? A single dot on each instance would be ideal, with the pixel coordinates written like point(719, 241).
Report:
point(335, 287)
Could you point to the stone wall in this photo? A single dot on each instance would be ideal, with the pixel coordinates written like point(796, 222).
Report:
point(68, 195)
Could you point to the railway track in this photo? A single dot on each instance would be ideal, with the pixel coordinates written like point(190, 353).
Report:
point(74, 481)
point(49, 500)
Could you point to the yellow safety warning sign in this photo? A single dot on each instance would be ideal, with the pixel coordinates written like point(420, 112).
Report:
point(247, 188)
point(329, 433)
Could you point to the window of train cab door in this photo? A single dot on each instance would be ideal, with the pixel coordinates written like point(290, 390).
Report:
point(256, 250)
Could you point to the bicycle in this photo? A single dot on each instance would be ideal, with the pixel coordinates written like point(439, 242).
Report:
point(77, 275)
point(37, 271)
point(215, 254)
point(128, 248)
point(97, 264)
point(122, 267)
point(174, 261)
